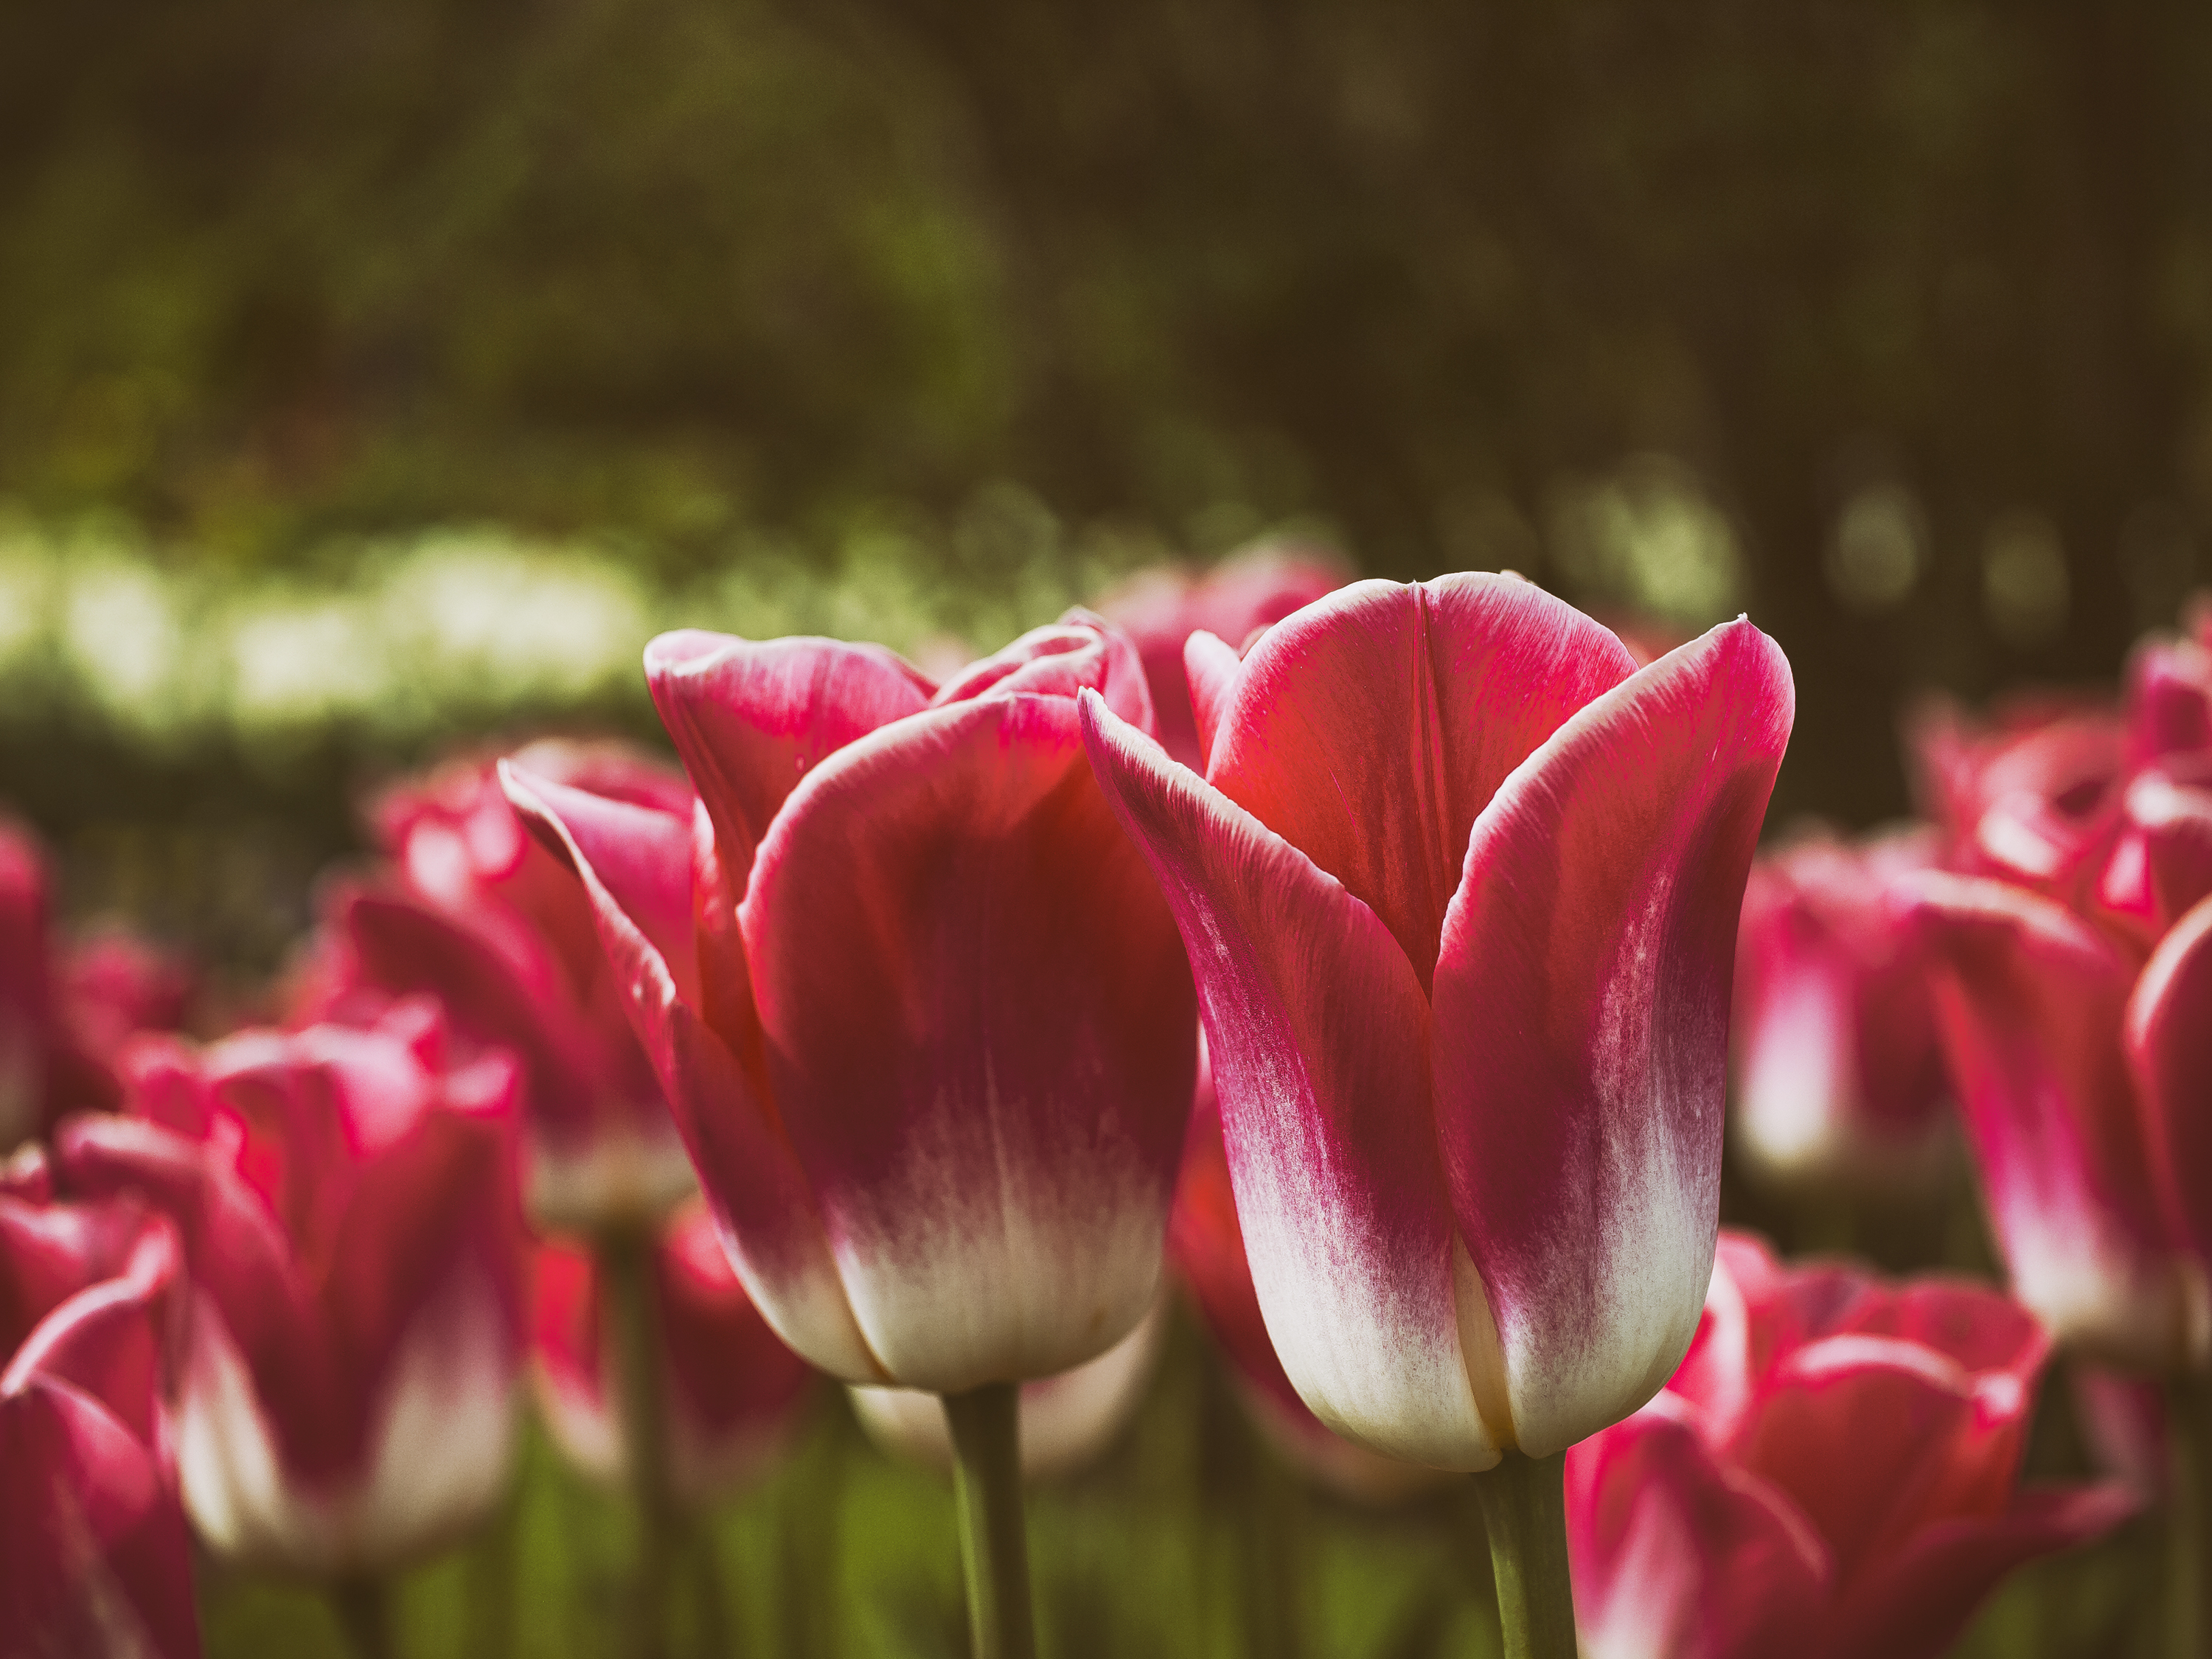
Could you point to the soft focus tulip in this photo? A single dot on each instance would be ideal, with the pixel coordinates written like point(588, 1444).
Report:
point(476, 913)
point(1067, 1421)
point(63, 1013)
point(350, 1224)
point(94, 1555)
point(917, 1006)
point(1838, 1078)
point(733, 1392)
point(1460, 889)
point(1207, 1247)
point(1161, 608)
point(1831, 1473)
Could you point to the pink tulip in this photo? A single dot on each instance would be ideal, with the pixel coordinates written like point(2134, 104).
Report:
point(1831, 1473)
point(1460, 889)
point(1208, 1249)
point(734, 1392)
point(64, 1012)
point(930, 1039)
point(349, 1219)
point(476, 913)
point(1162, 607)
point(94, 1556)
point(1838, 1074)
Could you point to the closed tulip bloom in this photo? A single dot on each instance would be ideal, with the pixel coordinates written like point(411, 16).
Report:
point(1838, 1077)
point(1162, 607)
point(1067, 1421)
point(1207, 1247)
point(475, 912)
point(917, 1006)
point(65, 1011)
point(1831, 1474)
point(347, 1207)
point(734, 1393)
point(94, 1554)
point(1459, 888)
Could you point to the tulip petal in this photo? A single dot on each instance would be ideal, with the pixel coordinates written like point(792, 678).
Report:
point(1317, 1032)
point(2169, 1043)
point(729, 1126)
point(1078, 650)
point(1581, 1006)
point(2030, 1001)
point(981, 1032)
point(750, 717)
point(1212, 665)
point(1371, 728)
point(1674, 1552)
point(1912, 1605)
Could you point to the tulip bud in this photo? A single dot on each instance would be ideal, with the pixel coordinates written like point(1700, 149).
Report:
point(1833, 1471)
point(733, 1392)
point(94, 1556)
point(346, 1203)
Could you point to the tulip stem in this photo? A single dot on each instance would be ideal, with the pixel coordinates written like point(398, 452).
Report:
point(986, 1457)
point(626, 1265)
point(363, 1607)
point(2189, 1517)
point(1524, 1511)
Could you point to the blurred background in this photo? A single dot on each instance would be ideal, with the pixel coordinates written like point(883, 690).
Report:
point(371, 371)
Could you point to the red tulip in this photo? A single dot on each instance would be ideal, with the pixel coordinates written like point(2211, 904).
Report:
point(346, 1209)
point(94, 1556)
point(1838, 1074)
point(734, 1392)
point(930, 1042)
point(1831, 1473)
point(63, 1013)
point(1460, 889)
point(1162, 607)
point(478, 914)
point(1208, 1249)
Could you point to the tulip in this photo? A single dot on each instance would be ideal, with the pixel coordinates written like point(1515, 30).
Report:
point(1838, 1078)
point(918, 1007)
point(1831, 1473)
point(1460, 889)
point(475, 913)
point(65, 1014)
point(1207, 1247)
point(347, 1208)
point(1161, 608)
point(1066, 1422)
point(94, 1555)
point(734, 1392)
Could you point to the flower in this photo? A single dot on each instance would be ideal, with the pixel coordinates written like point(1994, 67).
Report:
point(94, 1555)
point(1838, 1073)
point(1066, 1421)
point(474, 912)
point(64, 1015)
point(1162, 607)
point(347, 1207)
point(1831, 1473)
point(2073, 988)
point(1460, 889)
point(732, 1391)
point(1207, 1247)
point(919, 1009)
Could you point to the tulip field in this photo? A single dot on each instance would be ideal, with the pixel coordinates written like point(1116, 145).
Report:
point(1271, 1115)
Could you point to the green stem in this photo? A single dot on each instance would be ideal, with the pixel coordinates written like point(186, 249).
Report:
point(633, 1311)
point(2189, 1518)
point(363, 1606)
point(1524, 1511)
point(986, 1457)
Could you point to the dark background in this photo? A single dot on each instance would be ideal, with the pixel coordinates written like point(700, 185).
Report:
point(700, 272)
